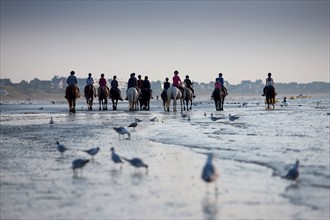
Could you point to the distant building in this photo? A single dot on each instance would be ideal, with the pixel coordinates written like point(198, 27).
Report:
point(5, 82)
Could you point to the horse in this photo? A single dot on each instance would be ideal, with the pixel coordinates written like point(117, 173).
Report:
point(114, 96)
point(187, 97)
point(270, 97)
point(103, 94)
point(144, 99)
point(219, 98)
point(71, 94)
point(132, 95)
point(173, 93)
point(163, 95)
point(89, 94)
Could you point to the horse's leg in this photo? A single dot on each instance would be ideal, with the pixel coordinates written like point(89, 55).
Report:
point(190, 104)
point(105, 104)
point(74, 105)
point(100, 101)
point(181, 103)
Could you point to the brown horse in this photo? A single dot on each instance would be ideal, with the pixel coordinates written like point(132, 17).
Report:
point(114, 96)
point(163, 95)
point(144, 99)
point(187, 97)
point(219, 98)
point(90, 93)
point(103, 94)
point(270, 97)
point(71, 94)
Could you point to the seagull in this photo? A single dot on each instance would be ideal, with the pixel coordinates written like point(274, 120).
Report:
point(138, 120)
point(184, 115)
point(79, 164)
point(92, 151)
point(214, 118)
point(51, 121)
point(210, 173)
point(133, 125)
point(137, 163)
point(232, 117)
point(61, 148)
point(41, 108)
point(293, 173)
point(122, 131)
point(115, 157)
point(153, 119)
point(205, 114)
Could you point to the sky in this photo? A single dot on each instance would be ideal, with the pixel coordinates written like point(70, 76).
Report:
point(244, 40)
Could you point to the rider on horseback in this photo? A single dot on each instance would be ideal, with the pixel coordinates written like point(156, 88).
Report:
point(221, 80)
point(167, 84)
point(146, 85)
point(72, 82)
point(177, 81)
point(89, 84)
point(269, 83)
point(132, 82)
point(114, 85)
point(103, 82)
point(189, 84)
point(217, 86)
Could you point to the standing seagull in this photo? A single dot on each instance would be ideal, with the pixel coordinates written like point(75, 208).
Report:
point(293, 173)
point(122, 131)
point(92, 151)
point(116, 158)
point(78, 164)
point(61, 148)
point(51, 121)
point(133, 125)
point(137, 163)
point(214, 118)
point(138, 120)
point(232, 117)
point(210, 173)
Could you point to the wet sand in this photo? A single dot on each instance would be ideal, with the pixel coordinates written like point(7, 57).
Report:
point(37, 183)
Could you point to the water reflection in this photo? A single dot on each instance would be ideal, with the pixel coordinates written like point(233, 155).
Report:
point(210, 207)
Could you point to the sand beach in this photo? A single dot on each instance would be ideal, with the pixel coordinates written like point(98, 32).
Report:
point(37, 183)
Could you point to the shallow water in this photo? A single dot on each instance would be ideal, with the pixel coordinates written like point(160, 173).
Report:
point(253, 153)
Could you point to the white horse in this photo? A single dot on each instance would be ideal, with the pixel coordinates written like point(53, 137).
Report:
point(173, 93)
point(132, 95)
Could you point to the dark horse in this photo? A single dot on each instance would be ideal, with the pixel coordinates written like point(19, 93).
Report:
point(219, 98)
point(103, 94)
point(114, 96)
point(144, 99)
point(90, 93)
point(270, 97)
point(187, 97)
point(164, 98)
point(71, 94)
